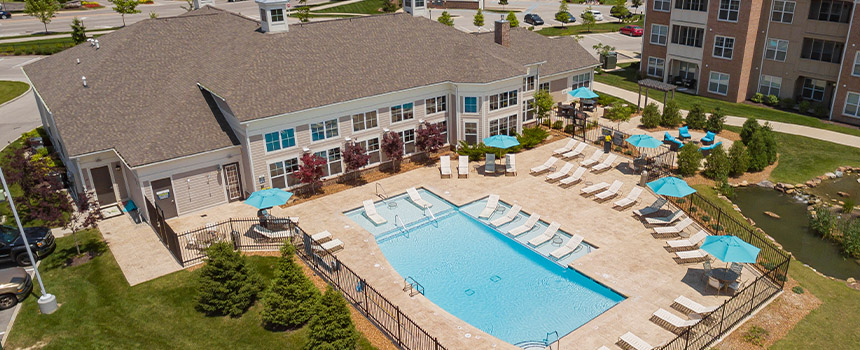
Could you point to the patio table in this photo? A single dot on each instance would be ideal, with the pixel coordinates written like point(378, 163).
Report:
point(724, 275)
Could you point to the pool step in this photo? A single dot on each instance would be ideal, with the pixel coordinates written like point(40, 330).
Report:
point(532, 344)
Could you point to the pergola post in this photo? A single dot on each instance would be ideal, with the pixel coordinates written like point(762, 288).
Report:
point(639, 98)
point(665, 95)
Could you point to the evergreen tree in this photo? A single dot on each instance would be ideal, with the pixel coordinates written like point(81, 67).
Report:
point(651, 116)
point(748, 129)
point(689, 160)
point(479, 19)
point(757, 150)
point(42, 9)
point(79, 32)
point(717, 166)
point(696, 119)
point(332, 327)
point(446, 19)
point(770, 143)
point(512, 18)
point(716, 121)
point(671, 115)
point(226, 285)
point(739, 159)
point(291, 299)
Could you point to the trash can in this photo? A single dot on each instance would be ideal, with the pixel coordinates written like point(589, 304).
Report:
point(607, 144)
point(609, 60)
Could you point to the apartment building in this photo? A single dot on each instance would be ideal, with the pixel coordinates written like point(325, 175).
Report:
point(197, 110)
point(732, 49)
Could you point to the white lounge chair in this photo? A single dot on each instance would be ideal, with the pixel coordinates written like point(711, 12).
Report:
point(322, 237)
point(445, 166)
point(489, 164)
point(415, 197)
point(545, 166)
point(576, 177)
point(567, 248)
point(526, 226)
point(510, 164)
point(463, 166)
point(603, 348)
point(665, 220)
point(688, 243)
point(370, 212)
point(594, 159)
point(576, 151)
point(508, 217)
point(569, 146)
point(651, 209)
point(671, 321)
point(333, 245)
point(546, 235)
point(492, 203)
point(674, 230)
point(697, 255)
point(612, 191)
point(687, 305)
point(271, 235)
point(606, 164)
point(631, 198)
point(635, 342)
point(594, 188)
point(561, 172)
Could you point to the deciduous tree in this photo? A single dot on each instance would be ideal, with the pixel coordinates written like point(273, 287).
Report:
point(392, 146)
point(588, 19)
point(355, 157)
point(619, 10)
point(562, 15)
point(43, 10)
point(428, 138)
point(303, 11)
point(311, 170)
point(543, 104)
point(125, 7)
point(85, 216)
point(42, 197)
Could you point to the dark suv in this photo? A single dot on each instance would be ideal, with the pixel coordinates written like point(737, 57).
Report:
point(12, 246)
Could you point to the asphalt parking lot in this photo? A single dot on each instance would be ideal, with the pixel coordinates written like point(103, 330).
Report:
point(6, 315)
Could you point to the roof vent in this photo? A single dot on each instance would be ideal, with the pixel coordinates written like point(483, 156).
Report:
point(84, 80)
point(77, 61)
point(97, 44)
point(91, 41)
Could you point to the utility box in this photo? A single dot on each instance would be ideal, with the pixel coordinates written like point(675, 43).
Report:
point(610, 60)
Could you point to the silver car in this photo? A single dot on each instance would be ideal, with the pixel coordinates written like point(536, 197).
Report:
point(597, 15)
point(15, 286)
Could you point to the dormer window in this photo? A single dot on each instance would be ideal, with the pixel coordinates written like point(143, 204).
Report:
point(277, 15)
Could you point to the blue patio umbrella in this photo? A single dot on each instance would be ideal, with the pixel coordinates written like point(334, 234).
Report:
point(644, 141)
point(268, 198)
point(501, 141)
point(671, 186)
point(583, 92)
point(730, 249)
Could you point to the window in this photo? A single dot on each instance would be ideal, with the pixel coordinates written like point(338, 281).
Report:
point(821, 50)
point(419, 3)
point(364, 121)
point(856, 69)
point(662, 5)
point(401, 112)
point(687, 36)
point(729, 10)
point(504, 126)
point(436, 105)
point(470, 105)
point(470, 132)
point(783, 11)
point(769, 85)
point(581, 80)
point(659, 33)
point(324, 130)
point(281, 173)
point(544, 86)
point(408, 137)
point(280, 139)
point(723, 46)
point(503, 100)
point(528, 109)
point(813, 89)
point(776, 49)
point(277, 15)
point(333, 164)
point(371, 146)
point(852, 105)
point(687, 70)
point(655, 66)
point(719, 83)
point(695, 5)
point(831, 11)
point(529, 83)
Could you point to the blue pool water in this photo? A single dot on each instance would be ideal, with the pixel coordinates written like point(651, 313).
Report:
point(490, 280)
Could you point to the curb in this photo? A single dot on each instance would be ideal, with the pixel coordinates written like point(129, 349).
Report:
point(16, 98)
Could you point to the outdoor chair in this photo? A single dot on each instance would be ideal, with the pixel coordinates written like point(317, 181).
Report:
point(445, 166)
point(606, 164)
point(651, 209)
point(562, 172)
point(612, 191)
point(567, 147)
point(672, 231)
point(333, 245)
point(631, 198)
point(709, 138)
point(568, 248)
point(508, 217)
point(321, 237)
point(707, 149)
point(736, 286)
point(526, 226)
point(715, 283)
point(672, 141)
point(691, 256)
point(594, 159)
point(586, 191)
point(416, 199)
point(370, 212)
point(269, 235)
point(687, 305)
point(492, 204)
point(630, 340)
point(707, 269)
point(688, 243)
point(545, 166)
point(670, 321)
point(510, 165)
point(684, 133)
point(490, 164)
point(665, 220)
point(576, 177)
point(575, 152)
point(463, 166)
point(547, 235)
point(737, 268)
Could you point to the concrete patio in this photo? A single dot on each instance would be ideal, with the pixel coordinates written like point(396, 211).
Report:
point(139, 253)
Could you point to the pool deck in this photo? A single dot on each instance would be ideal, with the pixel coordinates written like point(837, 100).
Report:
point(629, 260)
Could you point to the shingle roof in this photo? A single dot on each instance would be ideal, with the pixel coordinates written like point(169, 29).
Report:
point(143, 99)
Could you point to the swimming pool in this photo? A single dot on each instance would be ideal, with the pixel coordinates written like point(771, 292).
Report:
point(490, 280)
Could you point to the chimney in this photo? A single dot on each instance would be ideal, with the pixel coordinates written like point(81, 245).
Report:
point(273, 15)
point(503, 33)
point(197, 4)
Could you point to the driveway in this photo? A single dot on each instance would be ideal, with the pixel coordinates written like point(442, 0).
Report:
point(20, 115)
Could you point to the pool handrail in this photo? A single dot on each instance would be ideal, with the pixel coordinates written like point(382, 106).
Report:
point(412, 286)
point(384, 195)
point(398, 219)
point(427, 209)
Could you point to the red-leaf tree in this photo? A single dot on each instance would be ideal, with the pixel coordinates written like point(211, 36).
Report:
point(85, 217)
point(392, 146)
point(42, 197)
point(354, 156)
point(428, 138)
point(311, 170)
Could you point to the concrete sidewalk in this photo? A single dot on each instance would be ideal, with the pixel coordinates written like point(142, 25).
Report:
point(794, 129)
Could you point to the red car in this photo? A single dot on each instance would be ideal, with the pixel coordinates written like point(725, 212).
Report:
point(632, 30)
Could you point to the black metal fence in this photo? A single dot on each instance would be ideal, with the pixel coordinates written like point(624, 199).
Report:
point(162, 229)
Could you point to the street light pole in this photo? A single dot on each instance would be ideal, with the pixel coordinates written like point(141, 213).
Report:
point(47, 302)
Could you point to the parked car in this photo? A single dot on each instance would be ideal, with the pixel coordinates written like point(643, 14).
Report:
point(15, 286)
point(570, 18)
point(597, 15)
point(12, 246)
point(533, 19)
point(5, 14)
point(632, 30)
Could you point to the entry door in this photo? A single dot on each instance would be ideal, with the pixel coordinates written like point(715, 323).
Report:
point(103, 185)
point(164, 197)
point(234, 186)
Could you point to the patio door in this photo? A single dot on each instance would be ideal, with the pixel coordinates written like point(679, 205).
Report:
point(234, 185)
point(162, 190)
point(103, 185)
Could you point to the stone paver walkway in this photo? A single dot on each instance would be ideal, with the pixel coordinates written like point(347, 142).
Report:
point(794, 129)
point(137, 250)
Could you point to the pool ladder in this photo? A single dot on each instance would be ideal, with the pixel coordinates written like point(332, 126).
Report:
point(400, 221)
point(412, 286)
point(382, 195)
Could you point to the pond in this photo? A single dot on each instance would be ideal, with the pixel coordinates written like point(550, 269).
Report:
point(791, 230)
point(829, 189)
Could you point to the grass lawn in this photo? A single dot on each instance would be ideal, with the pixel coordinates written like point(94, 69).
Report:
point(100, 311)
point(36, 35)
point(581, 29)
point(802, 158)
point(626, 79)
point(370, 7)
point(11, 89)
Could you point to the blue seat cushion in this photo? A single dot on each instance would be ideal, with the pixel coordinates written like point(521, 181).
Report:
point(684, 132)
point(709, 137)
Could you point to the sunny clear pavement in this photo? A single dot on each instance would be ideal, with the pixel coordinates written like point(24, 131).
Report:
point(821, 134)
point(19, 115)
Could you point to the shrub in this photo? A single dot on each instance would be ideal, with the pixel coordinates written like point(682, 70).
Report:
point(797, 289)
point(332, 327)
point(820, 110)
point(475, 152)
point(725, 189)
point(512, 18)
point(628, 152)
point(547, 123)
point(772, 100)
point(689, 160)
point(851, 238)
point(804, 106)
point(717, 166)
point(226, 285)
point(531, 137)
point(619, 112)
point(671, 115)
point(291, 299)
point(786, 103)
point(822, 222)
point(758, 97)
point(847, 205)
point(750, 126)
point(568, 129)
point(694, 209)
point(696, 119)
point(651, 116)
point(756, 335)
point(706, 218)
point(716, 121)
point(558, 124)
point(757, 150)
point(716, 227)
point(770, 143)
